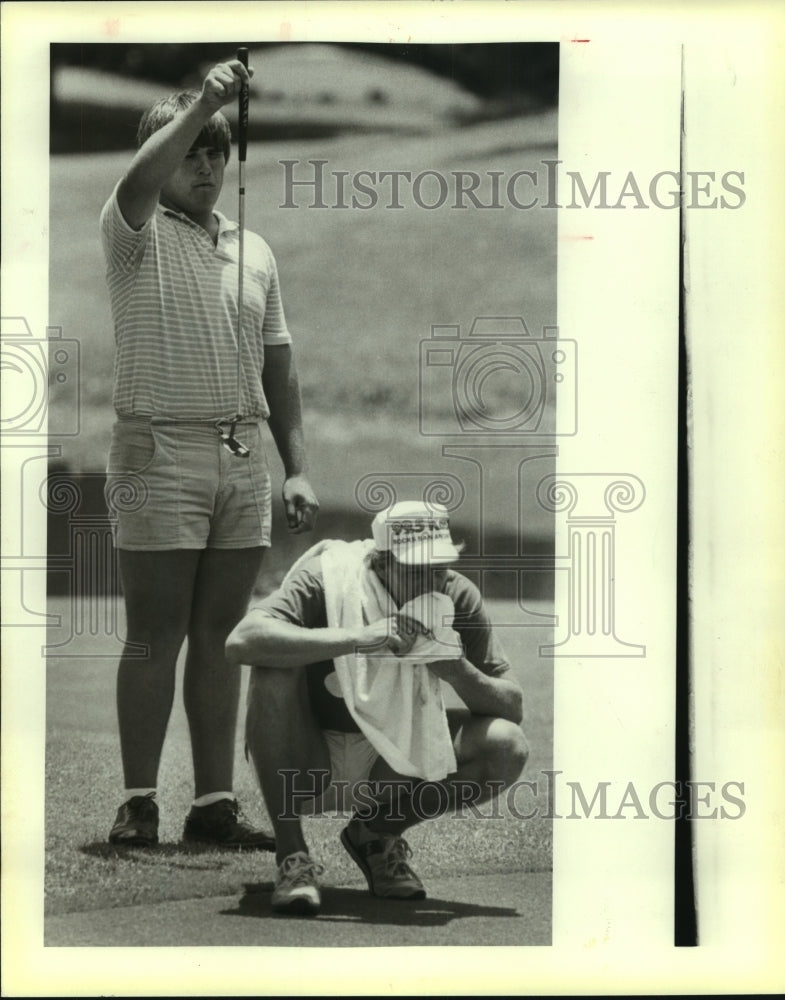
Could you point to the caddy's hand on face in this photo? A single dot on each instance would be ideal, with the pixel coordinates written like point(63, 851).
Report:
point(410, 627)
point(301, 504)
point(384, 636)
point(404, 634)
point(223, 83)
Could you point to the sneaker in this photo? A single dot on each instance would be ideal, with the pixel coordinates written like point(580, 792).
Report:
point(296, 887)
point(383, 859)
point(136, 824)
point(222, 825)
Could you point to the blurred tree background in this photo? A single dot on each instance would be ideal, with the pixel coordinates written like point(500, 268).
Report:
point(363, 288)
point(92, 110)
point(511, 73)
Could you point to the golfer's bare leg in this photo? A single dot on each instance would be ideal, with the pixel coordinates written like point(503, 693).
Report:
point(283, 736)
point(490, 753)
point(211, 686)
point(157, 588)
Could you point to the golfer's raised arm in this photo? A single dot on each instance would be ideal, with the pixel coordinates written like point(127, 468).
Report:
point(264, 641)
point(163, 152)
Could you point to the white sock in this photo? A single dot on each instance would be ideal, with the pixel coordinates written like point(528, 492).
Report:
point(207, 800)
point(130, 792)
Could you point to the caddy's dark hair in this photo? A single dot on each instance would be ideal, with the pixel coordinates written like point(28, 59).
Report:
point(216, 132)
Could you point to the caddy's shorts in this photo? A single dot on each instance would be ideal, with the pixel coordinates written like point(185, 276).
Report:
point(351, 760)
point(173, 485)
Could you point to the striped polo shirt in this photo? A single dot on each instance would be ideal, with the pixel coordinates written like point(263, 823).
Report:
point(174, 304)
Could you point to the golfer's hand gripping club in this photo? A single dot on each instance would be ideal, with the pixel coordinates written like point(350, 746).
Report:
point(225, 81)
point(242, 133)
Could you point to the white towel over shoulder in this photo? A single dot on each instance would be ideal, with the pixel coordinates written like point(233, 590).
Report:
point(396, 701)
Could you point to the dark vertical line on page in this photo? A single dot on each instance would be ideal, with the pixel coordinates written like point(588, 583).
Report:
point(685, 916)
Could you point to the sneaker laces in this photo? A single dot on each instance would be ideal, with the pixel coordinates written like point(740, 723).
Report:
point(228, 817)
point(298, 869)
point(397, 854)
point(143, 808)
point(148, 809)
point(238, 815)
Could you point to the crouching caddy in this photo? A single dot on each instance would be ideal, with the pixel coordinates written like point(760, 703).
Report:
point(345, 704)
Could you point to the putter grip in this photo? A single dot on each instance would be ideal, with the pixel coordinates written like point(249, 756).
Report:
point(242, 138)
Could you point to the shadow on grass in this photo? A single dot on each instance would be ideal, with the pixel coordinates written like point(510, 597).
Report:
point(195, 856)
point(358, 906)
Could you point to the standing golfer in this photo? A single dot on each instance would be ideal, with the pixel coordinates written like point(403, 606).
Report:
point(345, 703)
point(187, 380)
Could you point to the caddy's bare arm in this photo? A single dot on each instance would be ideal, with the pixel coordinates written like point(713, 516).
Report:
point(264, 641)
point(500, 697)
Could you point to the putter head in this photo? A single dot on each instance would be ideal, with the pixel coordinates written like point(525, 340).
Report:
point(234, 446)
point(230, 442)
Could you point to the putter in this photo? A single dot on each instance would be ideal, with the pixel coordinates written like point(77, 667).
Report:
point(228, 439)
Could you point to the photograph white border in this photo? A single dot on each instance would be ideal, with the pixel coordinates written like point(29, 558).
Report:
point(613, 881)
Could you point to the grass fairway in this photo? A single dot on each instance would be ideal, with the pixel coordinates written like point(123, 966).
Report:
point(361, 287)
point(84, 783)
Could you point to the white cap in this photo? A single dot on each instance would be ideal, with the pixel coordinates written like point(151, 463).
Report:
point(415, 533)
